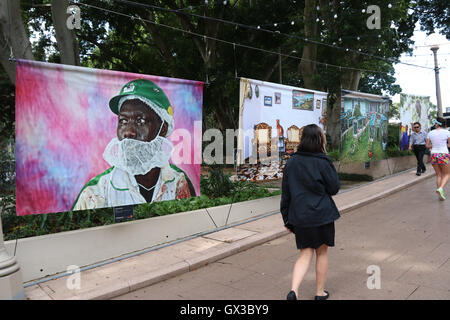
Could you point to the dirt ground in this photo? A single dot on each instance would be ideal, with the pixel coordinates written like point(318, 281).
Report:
point(276, 183)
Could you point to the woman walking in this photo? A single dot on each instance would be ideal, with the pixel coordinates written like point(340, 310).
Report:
point(309, 181)
point(438, 140)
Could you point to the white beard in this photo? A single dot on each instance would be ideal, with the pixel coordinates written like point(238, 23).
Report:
point(138, 157)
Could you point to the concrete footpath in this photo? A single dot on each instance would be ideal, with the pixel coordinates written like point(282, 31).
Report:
point(405, 235)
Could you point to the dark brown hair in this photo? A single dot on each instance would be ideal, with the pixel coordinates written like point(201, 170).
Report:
point(312, 140)
point(442, 120)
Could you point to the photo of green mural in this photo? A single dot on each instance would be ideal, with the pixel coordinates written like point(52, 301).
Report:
point(364, 126)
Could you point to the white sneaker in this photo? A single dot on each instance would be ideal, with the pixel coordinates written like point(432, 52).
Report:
point(441, 194)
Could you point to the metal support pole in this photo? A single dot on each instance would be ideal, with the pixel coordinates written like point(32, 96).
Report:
point(438, 87)
point(279, 64)
point(11, 284)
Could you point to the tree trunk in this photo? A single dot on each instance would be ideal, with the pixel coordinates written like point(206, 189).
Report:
point(66, 38)
point(350, 80)
point(159, 41)
point(327, 10)
point(12, 35)
point(220, 116)
point(307, 67)
point(271, 68)
point(206, 46)
point(334, 119)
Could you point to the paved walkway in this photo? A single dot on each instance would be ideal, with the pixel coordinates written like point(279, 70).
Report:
point(405, 234)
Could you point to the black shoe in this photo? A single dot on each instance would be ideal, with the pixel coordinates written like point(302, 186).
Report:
point(291, 296)
point(418, 173)
point(423, 170)
point(322, 297)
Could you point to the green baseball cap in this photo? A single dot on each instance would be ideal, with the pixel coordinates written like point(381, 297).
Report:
point(145, 90)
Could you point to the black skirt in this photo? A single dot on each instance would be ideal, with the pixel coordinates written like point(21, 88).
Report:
point(314, 237)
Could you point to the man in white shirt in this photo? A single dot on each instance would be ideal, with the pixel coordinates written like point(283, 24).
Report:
point(417, 144)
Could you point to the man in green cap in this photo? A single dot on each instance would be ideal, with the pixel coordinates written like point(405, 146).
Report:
point(139, 157)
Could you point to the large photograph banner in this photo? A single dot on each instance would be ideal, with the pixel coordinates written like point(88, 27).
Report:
point(270, 119)
point(89, 138)
point(364, 127)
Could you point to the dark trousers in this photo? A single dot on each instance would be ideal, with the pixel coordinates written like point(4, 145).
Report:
point(419, 151)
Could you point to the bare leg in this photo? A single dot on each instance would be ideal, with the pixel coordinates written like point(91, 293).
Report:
point(321, 269)
point(437, 169)
point(445, 170)
point(301, 267)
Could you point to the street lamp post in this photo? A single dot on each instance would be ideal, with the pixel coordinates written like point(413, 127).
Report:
point(436, 73)
point(11, 285)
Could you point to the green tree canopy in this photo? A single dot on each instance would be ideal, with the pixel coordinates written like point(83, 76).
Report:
point(332, 44)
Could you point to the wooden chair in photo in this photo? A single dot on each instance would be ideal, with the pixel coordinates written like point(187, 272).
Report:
point(263, 134)
point(293, 138)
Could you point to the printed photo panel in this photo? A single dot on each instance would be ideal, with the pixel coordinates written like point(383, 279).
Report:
point(270, 124)
point(65, 119)
point(364, 127)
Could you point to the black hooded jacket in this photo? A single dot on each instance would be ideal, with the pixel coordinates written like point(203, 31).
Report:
point(309, 181)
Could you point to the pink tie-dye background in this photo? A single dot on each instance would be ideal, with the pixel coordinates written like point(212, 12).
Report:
point(63, 124)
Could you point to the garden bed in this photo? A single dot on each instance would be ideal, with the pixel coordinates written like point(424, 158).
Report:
point(216, 191)
point(50, 254)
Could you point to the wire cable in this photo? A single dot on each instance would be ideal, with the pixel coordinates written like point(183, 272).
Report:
point(149, 6)
point(233, 43)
